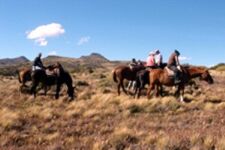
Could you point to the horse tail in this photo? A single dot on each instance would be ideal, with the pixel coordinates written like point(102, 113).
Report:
point(114, 76)
point(19, 78)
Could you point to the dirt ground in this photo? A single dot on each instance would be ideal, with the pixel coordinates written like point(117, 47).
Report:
point(99, 119)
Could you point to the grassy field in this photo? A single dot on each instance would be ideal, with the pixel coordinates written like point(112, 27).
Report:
point(99, 119)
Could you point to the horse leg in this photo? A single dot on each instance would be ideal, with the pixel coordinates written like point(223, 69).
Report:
point(133, 85)
point(33, 89)
point(182, 93)
point(123, 87)
point(141, 85)
point(118, 88)
point(21, 88)
point(177, 93)
point(45, 89)
point(157, 90)
point(150, 88)
point(135, 91)
point(161, 90)
point(129, 85)
point(57, 91)
point(139, 92)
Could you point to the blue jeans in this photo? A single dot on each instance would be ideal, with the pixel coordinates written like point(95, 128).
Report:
point(176, 72)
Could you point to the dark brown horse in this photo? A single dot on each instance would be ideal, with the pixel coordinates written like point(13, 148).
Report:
point(159, 77)
point(24, 76)
point(59, 77)
point(125, 72)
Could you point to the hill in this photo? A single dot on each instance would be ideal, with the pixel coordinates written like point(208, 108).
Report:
point(9, 66)
point(92, 61)
point(219, 67)
point(94, 58)
point(13, 61)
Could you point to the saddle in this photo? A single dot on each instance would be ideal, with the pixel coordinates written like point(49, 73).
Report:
point(52, 72)
point(170, 72)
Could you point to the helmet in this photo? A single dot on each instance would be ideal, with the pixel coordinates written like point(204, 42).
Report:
point(133, 60)
point(151, 53)
point(40, 54)
point(177, 52)
point(157, 51)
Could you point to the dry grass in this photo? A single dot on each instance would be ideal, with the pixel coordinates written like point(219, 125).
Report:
point(103, 120)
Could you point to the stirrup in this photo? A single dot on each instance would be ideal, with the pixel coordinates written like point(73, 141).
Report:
point(177, 81)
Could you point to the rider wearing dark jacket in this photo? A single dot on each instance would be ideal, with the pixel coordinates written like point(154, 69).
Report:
point(133, 64)
point(174, 65)
point(37, 64)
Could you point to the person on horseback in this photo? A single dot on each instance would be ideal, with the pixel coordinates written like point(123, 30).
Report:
point(140, 63)
point(133, 64)
point(158, 58)
point(150, 62)
point(174, 64)
point(37, 64)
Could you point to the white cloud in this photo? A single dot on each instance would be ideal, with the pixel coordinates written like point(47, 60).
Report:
point(84, 40)
point(183, 58)
point(41, 41)
point(41, 33)
point(52, 53)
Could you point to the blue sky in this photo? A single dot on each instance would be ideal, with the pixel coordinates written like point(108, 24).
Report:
point(117, 29)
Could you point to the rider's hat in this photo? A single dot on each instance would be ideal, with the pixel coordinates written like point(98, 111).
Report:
point(39, 54)
point(177, 52)
point(151, 53)
point(157, 51)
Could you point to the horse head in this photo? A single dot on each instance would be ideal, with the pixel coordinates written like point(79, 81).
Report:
point(206, 77)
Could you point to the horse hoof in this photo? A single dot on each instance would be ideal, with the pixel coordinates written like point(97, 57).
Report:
point(71, 99)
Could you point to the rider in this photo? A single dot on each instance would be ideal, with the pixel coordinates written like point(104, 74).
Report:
point(132, 66)
point(158, 58)
point(140, 63)
point(37, 64)
point(133, 63)
point(150, 62)
point(174, 65)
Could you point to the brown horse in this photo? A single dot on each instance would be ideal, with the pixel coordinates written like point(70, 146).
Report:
point(24, 75)
point(125, 72)
point(159, 77)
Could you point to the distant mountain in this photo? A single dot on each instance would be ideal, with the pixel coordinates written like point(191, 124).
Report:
point(94, 58)
point(92, 61)
point(9, 66)
point(68, 63)
point(13, 61)
point(219, 67)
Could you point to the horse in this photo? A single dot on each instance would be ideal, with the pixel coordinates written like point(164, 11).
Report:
point(59, 77)
point(159, 77)
point(24, 75)
point(125, 72)
point(142, 78)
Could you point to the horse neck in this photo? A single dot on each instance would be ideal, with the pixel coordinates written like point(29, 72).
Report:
point(195, 72)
